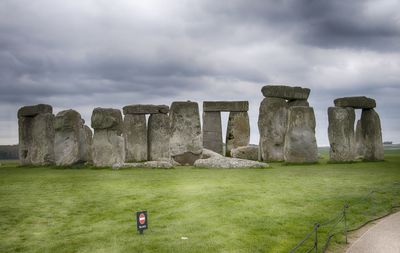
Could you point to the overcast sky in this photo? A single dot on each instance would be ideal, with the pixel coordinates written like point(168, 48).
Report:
point(82, 54)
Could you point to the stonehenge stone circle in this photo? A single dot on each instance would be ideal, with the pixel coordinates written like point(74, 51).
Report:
point(246, 152)
point(341, 134)
point(135, 135)
point(285, 92)
point(225, 106)
point(212, 131)
point(359, 140)
point(372, 135)
point(145, 109)
point(356, 102)
point(186, 143)
point(272, 123)
point(238, 131)
point(67, 143)
point(300, 143)
point(36, 135)
point(158, 136)
point(108, 146)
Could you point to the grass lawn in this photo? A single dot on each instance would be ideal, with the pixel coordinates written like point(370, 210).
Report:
point(50, 209)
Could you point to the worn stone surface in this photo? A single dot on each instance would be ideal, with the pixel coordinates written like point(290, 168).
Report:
point(67, 126)
point(300, 143)
point(33, 110)
point(135, 134)
point(272, 122)
point(145, 109)
point(285, 92)
point(359, 140)
point(341, 134)
point(212, 131)
point(158, 134)
point(85, 143)
point(246, 152)
point(298, 102)
point(149, 164)
point(225, 106)
point(207, 153)
point(107, 118)
point(238, 131)
point(36, 139)
point(228, 163)
point(356, 102)
point(186, 143)
point(108, 148)
point(372, 135)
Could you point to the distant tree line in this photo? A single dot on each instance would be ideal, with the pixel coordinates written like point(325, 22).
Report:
point(8, 152)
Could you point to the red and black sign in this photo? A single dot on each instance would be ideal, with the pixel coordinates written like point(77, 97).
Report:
point(141, 220)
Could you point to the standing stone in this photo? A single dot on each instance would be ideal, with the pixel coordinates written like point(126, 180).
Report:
point(272, 122)
point(36, 135)
point(108, 145)
point(298, 102)
point(341, 134)
point(85, 143)
point(158, 137)
point(300, 143)
point(359, 140)
point(135, 134)
point(246, 152)
point(67, 126)
point(186, 144)
point(238, 131)
point(212, 131)
point(372, 135)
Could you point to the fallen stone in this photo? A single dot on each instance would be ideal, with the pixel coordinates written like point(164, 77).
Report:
point(107, 118)
point(210, 154)
point(186, 143)
point(212, 131)
point(135, 134)
point(285, 92)
point(145, 109)
point(298, 102)
point(372, 135)
point(33, 110)
point(300, 143)
point(238, 131)
point(247, 152)
point(356, 102)
point(158, 134)
point(108, 148)
point(359, 140)
point(228, 163)
point(272, 123)
point(341, 134)
point(149, 164)
point(225, 106)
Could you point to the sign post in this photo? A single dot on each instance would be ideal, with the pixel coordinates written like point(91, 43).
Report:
point(141, 221)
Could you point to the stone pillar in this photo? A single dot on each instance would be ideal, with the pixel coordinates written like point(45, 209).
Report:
point(135, 134)
point(67, 126)
point(36, 135)
point(158, 137)
point(186, 143)
point(212, 132)
point(238, 131)
point(341, 134)
point(85, 143)
point(108, 146)
point(359, 140)
point(372, 135)
point(300, 143)
point(272, 122)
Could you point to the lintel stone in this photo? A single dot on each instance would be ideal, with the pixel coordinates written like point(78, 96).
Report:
point(285, 92)
point(145, 109)
point(360, 102)
point(225, 106)
point(33, 110)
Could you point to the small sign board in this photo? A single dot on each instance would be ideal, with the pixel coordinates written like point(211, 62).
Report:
point(141, 221)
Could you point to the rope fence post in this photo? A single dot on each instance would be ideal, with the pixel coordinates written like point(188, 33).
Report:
point(345, 220)
point(316, 237)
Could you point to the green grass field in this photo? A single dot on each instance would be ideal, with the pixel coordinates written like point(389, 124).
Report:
point(83, 209)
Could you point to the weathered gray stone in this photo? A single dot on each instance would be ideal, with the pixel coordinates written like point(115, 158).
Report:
point(186, 144)
point(107, 118)
point(67, 126)
point(300, 143)
point(272, 122)
point(145, 109)
point(238, 131)
point(360, 149)
point(341, 134)
point(225, 106)
point(285, 92)
point(150, 164)
point(158, 137)
point(210, 154)
point(212, 131)
point(36, 139)
point(108, 148)
point(372, 135)
point(228, 163)
point(135, 134)
point(246, 152)
point(85, 144)
point(356, 102)
point(298, 102)
point(33, 110)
